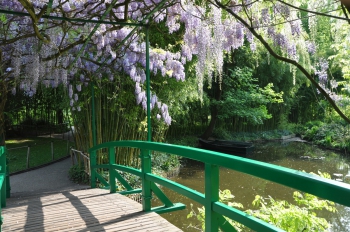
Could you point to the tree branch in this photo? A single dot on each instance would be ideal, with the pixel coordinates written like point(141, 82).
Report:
point(30, 9)
point(346, 3)
point(314, 12)
point(59, 53)
point(287, 60)
point(344, 11)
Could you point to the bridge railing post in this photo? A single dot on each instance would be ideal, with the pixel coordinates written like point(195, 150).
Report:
point(3, 181)
point(146, 184)
point(92, 169)
point(211, 196)
point(112, 175)
point(3, 166)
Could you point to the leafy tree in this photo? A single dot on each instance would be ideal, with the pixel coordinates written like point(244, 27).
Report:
point(244, 98)
point(240, 96)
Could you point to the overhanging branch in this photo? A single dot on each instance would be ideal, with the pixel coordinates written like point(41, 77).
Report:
point(35, 19)
point(285, 59)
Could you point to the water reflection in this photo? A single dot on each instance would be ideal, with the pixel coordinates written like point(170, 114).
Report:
point(246, 187)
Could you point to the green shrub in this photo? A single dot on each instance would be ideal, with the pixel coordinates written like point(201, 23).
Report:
point(310, 124)
point(165, 161)
point(77, 174)
point(186, 140)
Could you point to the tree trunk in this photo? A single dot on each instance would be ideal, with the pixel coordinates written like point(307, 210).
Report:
point(214, 116)
point(59, 115)
point(214, 111)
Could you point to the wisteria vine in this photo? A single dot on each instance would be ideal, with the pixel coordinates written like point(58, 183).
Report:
point(210, 31)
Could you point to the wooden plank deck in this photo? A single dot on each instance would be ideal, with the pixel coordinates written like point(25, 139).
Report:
point(83, 210)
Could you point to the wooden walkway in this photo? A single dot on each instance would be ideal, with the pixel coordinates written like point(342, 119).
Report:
point(83, 210)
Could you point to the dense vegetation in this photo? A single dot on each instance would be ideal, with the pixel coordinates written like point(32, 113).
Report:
point(226, 69)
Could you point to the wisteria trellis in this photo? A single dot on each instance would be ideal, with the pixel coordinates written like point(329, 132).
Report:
point(211, 29)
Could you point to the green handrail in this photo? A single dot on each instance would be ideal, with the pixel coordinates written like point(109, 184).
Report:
point(3, 173)
point(214, 210)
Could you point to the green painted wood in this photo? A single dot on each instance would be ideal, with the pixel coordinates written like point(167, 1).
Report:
point(146, 184)
point(92, 169)
point(211, 195)
point(134, 191)
point(131, 170)
point(134, 171)
point(164, 209)
point(179, 188)
point(244, 218)
point(3, 174)
point(306, 182)
point(148, 88)
point(2, 192)
point(161, 196)
point(324, 188)
point(102, 180)
point(122, 181)
point(224, 225)
point(112, 171)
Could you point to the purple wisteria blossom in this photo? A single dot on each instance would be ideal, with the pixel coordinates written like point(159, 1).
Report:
point(321, 72)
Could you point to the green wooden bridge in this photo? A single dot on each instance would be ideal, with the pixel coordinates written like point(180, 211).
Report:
point(215, 211)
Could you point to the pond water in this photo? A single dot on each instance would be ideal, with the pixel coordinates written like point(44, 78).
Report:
point(296, 155)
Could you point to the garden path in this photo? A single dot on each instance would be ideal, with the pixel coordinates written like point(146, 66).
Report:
point(49, 179)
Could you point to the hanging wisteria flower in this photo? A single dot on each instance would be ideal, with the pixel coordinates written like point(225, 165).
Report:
point(271, 31)
point(282, 9)
point(140, 97)
point(253, 46)
point(265, 16)
point(311, 47)
point(334, 84)
point(322, 71)
point(70, 91)
point(296, 27)
point(154, 100)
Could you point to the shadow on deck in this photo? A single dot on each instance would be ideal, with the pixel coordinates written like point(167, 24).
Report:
point(82, 210)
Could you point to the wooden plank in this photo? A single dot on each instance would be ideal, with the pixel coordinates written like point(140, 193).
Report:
point(92, 210)
point(87, 222)
point(92, 201)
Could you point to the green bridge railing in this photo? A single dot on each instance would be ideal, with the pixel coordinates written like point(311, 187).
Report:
point(3, 173)
point(214, 210)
